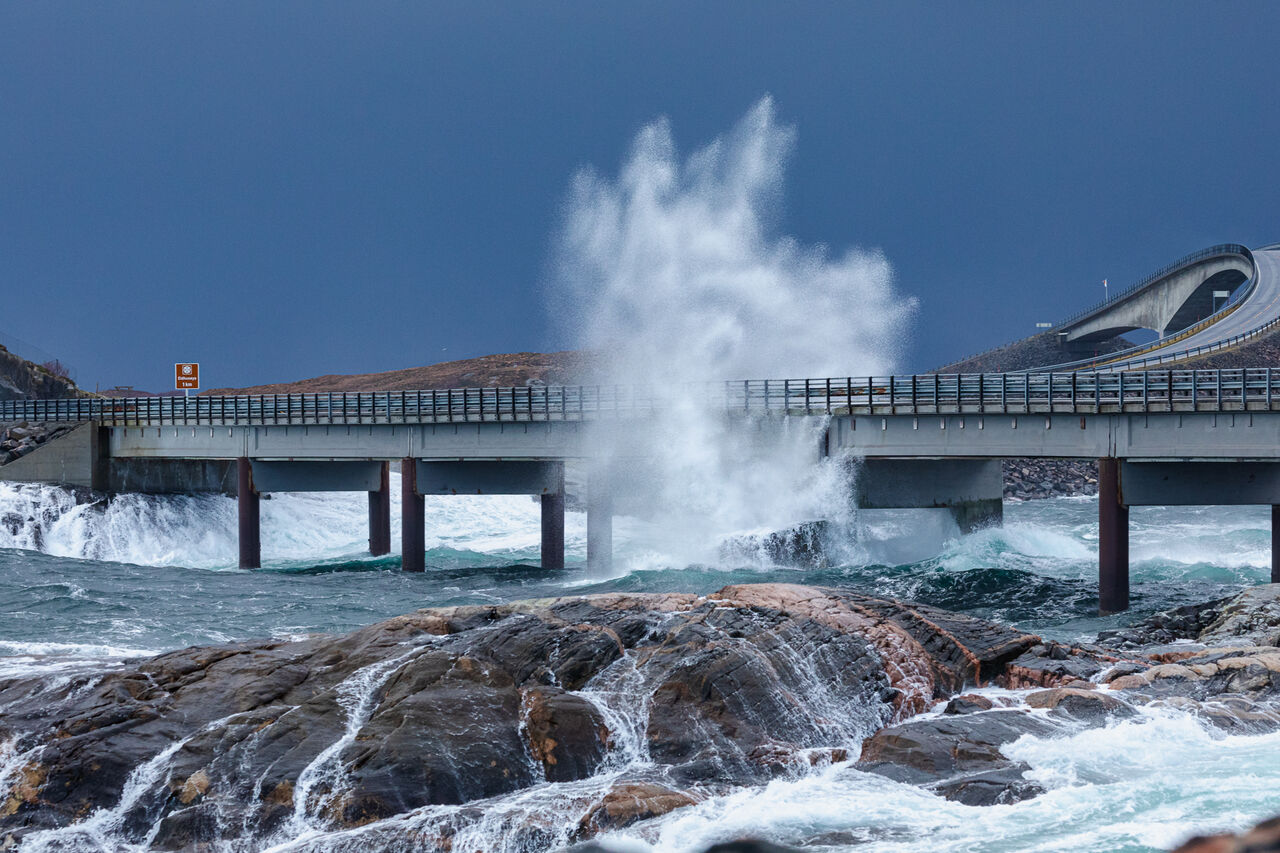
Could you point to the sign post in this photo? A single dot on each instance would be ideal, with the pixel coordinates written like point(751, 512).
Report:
point(186, 377)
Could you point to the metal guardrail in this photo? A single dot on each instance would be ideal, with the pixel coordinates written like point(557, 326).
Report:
point(1253, 389)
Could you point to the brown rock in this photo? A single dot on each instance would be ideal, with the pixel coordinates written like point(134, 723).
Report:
point(197, 785)
point(1262, 838)
point(1076, 701)
point(969, 703)
point(630, 802)
point(565, 732)
point(26, 790)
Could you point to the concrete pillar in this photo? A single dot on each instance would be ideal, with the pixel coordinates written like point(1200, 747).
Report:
point(413, 519)
point(975, 515)
point(380, 515)
point(599, 522)
point(250, 525)
point(1275, 543)
point(1113, 539)
point(553, 531)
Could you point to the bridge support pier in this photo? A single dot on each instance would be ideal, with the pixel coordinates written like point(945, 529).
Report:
point(975, 515)
point(1275, 543)
point(413, 519)
point(1113, 539)
point(599, 522)
point(380, 514)
point(553, 531)
point(250, 530)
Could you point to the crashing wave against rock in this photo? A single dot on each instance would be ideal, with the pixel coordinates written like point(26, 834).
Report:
point(539, 723)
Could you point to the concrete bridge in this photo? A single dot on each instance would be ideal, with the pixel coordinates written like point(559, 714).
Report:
point(1167, 301)
point(1251, 311)
point(1168, 438)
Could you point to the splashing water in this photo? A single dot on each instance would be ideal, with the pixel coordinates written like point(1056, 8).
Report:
point(672, 276)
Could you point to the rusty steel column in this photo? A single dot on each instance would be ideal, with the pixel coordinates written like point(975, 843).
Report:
point(250, 523)
point(553, 531)
point(599, 522)
point(1275, 543)
point(380, 515)
point(1113, 539)
point(413, 520)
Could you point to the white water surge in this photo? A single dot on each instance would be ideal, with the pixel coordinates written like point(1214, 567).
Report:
point(1137, 785)
point(200, 530)
point(673, 275)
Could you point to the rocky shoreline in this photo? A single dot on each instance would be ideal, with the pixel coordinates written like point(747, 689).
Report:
point(17, 440)
point(423, 726)
point(1033, 479)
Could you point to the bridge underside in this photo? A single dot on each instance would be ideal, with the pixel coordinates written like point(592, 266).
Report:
point(1167, 307)
point(906, 460)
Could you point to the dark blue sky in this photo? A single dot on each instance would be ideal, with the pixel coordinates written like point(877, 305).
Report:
point(281, 190)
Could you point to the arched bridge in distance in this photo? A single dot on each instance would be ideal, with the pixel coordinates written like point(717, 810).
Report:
point(1162, 436)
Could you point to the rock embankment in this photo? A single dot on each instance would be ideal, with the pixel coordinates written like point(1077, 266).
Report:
point(17, 440)
point(430, 727)
point(646, 702)
point(1029, 479)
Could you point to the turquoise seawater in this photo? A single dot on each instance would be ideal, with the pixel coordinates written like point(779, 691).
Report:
point(81, 585)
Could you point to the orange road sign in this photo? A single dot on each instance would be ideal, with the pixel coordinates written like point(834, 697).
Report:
point(186, 376)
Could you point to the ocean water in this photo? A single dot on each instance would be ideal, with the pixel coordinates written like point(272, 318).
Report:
point(87, 586)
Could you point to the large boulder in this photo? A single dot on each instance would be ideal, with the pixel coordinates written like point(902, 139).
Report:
point(958, 756)
point(460, 707)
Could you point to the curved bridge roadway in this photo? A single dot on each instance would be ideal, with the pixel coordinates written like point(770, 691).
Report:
point(1257, 312)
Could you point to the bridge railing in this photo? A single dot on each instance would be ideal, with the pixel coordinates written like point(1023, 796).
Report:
point(1255, 389)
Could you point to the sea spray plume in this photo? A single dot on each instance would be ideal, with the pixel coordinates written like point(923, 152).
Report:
point(673, 276)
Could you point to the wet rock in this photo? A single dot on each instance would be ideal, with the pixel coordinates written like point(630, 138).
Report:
point(455, 706)
point(958, 757)
point(1179, 623)
point(1251, 618)
point(1051, 666)
point(808, 545)
point(968, 704)
point(1082, 704)
point(1253, 671)
point(1262, 838)
point(566, 733)
point(629, 802)
point(990, 787)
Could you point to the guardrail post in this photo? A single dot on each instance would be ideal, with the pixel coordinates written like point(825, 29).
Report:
point(1113, 539)
point(247, 501)
point(380, 514)
point(413, 520)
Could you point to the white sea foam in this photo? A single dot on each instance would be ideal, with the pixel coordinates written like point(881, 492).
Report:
point(200, 530)
point(1141, 784)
